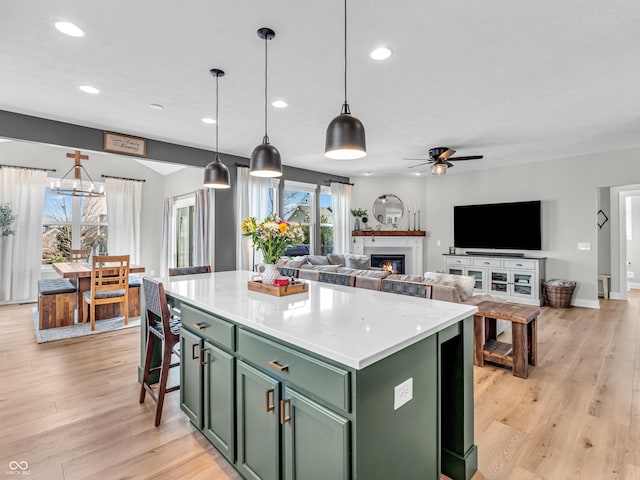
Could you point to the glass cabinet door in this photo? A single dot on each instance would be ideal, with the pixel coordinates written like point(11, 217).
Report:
point(478, 274)
point(523, 284)
point(499, 282)
point(455, 271)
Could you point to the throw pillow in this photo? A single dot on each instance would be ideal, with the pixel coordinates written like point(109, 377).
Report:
point(335, 259)
point(318, 259)
point(406, 278)
point(295, 262)
point(357, 261)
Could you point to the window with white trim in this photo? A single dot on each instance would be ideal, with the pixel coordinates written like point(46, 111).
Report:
point(183, 231)
point(326, 221)
point(299, 207)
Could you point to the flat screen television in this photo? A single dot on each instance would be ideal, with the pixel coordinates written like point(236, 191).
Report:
point(509, 226)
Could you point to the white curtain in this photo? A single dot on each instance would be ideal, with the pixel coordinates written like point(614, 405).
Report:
point(167, 236)
point(124, 200)
point(253, 201)
point(341, 202)
point(202, 227)
point(21, 254)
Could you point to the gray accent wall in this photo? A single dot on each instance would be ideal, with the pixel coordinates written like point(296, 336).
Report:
point(40, 130)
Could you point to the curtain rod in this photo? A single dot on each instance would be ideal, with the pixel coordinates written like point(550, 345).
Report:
point(29, 168)
point(123, 178)
point(332, 180)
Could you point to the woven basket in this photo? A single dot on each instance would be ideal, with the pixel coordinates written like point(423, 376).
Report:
point(559, 295)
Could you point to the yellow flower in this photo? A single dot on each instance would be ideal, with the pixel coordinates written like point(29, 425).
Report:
point(283, 227)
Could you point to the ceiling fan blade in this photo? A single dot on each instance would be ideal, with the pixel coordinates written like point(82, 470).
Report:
point(472, 157)
point(446, 154)
point(448, 164)
point(418, 165)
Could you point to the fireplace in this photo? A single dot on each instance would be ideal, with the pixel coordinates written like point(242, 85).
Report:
point(392, 263)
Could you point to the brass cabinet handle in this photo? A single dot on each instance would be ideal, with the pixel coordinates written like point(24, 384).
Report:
point(276, 366)
point(200, 326)
point(194, 355)
point(269, 397)
point(285, 418)
point(202, 362)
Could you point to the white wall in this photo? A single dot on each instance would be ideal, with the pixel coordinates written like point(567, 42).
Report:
point(45, 156)
point(633, 245)
point(568, 190)
point(604, 233)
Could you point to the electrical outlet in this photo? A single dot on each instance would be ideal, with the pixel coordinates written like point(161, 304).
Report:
point(402, 393)
point(584, 246)
point(438, 243)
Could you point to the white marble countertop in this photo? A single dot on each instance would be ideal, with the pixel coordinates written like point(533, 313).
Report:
point(355, 327)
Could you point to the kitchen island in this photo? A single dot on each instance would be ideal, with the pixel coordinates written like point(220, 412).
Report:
point(333, 383)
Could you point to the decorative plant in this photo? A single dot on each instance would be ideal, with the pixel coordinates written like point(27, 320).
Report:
point(272, 236)
point(6, 220)
point(358, 212)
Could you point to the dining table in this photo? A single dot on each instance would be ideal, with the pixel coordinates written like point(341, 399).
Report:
point(80, 275)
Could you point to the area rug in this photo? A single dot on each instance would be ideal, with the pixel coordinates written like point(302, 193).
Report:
point(81, 329)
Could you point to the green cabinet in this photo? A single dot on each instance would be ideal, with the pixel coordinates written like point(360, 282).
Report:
point(191, 400)
point(207, 388)
point(258, 424)
point(315, 441)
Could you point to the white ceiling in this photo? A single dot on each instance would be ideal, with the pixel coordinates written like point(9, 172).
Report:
point(516, 81)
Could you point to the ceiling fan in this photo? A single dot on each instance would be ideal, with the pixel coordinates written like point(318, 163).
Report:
point(440, 159)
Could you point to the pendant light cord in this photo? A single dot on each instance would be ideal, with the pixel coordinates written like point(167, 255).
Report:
point(217, 156)
point(266, 137)
point(345, 52)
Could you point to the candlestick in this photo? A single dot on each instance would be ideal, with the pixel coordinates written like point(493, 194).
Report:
point(414, 220)
point(418, 220)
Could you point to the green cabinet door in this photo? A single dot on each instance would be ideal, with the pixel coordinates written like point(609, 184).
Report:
point(258, 424)
point(191, 377)
point(316, 440)
point(219, 397)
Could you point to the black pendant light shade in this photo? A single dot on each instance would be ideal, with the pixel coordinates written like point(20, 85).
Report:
point(345, 138)
point(216, 173)
point(265, 158)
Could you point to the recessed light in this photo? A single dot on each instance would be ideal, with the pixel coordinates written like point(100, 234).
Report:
point(279, 104)
point(380, 53)
point(70, 29)
point(417, 174)
point(208, 121)
point(367, 174)
point(156, 106)
point(89, 89)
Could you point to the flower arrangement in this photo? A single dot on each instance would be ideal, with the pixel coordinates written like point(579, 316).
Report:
point(272, 236)
point(358, 212)
point(6, 220)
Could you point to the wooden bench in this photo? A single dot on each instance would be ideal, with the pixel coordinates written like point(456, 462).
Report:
point(519, 355)
point(56, 303)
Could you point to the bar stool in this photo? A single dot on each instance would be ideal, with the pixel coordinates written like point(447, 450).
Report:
point(167, 330)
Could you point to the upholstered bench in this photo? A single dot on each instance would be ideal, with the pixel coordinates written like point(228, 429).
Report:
point(56, 303)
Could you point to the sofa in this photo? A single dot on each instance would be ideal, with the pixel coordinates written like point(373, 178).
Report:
point(445, 287)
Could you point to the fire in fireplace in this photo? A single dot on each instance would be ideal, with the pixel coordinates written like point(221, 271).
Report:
point(391, 263)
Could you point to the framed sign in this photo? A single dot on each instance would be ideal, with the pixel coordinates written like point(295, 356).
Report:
point(119, 143)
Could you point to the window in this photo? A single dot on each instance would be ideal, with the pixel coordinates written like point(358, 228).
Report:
point(299, 207)
point(326, 221)
point(183, 229)
point(72, 223)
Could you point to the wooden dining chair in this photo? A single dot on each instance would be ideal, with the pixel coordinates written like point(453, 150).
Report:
point(162, 325)
point(79, 256)
point(173, 272)
point(109, 284)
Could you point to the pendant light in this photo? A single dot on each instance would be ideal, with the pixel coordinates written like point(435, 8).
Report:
point(345, 139)
point(216, 174)
point(265, 158)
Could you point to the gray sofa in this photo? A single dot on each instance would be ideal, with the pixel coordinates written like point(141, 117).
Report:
point(445, 287)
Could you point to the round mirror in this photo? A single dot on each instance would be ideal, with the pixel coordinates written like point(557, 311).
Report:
point(388, 209)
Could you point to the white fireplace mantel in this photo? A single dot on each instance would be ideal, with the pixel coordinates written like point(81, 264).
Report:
point(410, 246)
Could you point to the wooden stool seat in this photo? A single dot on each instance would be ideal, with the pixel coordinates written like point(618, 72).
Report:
point(56, 303)
point(517, 356)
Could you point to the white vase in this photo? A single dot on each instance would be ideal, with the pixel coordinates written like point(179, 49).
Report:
point(268, 273)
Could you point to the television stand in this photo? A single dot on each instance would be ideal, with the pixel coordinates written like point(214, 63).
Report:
point(496, 254)
point(511, 277)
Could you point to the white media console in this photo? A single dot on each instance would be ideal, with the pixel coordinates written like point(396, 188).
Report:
point(515, 279)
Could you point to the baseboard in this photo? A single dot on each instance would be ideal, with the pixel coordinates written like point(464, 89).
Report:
point(578, 302)
point(617, 296)
point(634, 285)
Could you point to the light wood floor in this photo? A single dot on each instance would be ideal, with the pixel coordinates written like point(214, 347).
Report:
point(70, 408)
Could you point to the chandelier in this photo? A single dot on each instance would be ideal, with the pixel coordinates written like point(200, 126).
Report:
point(79, 183)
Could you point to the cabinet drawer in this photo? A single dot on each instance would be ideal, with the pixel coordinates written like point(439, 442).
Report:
point(208, 326)
point(315, 376)
point(487, 262)
point(526, 264)
point(458, 261)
